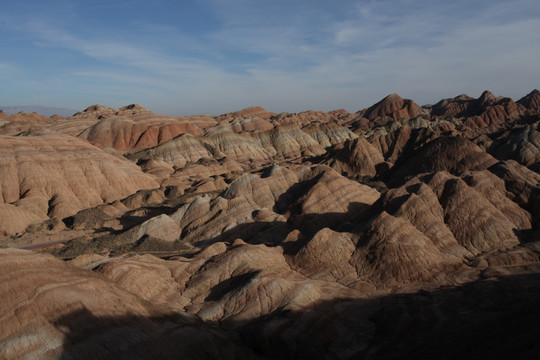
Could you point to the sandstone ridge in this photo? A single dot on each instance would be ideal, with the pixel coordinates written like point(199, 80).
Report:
point(398, 231)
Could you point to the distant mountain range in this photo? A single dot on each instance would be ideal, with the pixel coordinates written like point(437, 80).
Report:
point(42, 110)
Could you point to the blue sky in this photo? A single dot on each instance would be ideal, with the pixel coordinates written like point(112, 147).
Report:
point(216, 56)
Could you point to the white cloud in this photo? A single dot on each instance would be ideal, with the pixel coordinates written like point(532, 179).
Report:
point(303, 58)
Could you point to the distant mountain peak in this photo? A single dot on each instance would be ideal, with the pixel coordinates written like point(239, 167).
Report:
point(41, 110)
point(487, 96)
point(134, 108)
point(393, 106)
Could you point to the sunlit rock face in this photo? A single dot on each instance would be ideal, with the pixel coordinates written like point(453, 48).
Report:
point(399, 231)
point(394, 107)
point(54, 310)
point(57, 175)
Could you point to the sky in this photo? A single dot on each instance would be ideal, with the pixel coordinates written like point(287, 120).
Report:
point(216, 56)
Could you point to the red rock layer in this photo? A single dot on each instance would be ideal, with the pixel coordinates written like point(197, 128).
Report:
point(394, 107)
point(355, 157)
point(485, 111)
point(531, 102)
point(50, 309)
point(58, 175)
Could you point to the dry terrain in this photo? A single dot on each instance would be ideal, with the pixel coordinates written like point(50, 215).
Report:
point(399, 231)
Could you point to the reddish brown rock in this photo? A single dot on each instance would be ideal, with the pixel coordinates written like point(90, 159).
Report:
point(522, 183)
point(209, 167)
point(289, 142)
point(25, 123)
point(15, 220)
point(304, 118)
point(393, 107)
point(250, 119)
point(177, 152)
point(148, 277)
point(250, 281)
point(258, 244)
point(355, 157)
point(475, 222)
point(531, 102)
point(58, 175)
point(160, 227)
point(245, 148)
point(141, 130)
point(251, 124)
point(240, 147)
point(493, 189)
point(326, 257)
point(333, 193)
point(453, 106)
point(51, 309)
point(482, 112)
point(329, 134)
point(251, 112)
point(401, 142)
point(393, 251)
point(522, 145)
point(453, 154)
point(265, 191)
point(158, 168)
point(416, 203)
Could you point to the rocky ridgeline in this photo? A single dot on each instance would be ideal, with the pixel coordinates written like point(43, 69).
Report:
point(398, 231)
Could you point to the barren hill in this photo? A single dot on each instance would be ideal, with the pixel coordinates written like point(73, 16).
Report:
point(399, 231)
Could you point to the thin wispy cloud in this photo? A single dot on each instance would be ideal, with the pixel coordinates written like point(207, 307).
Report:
point(213, 56)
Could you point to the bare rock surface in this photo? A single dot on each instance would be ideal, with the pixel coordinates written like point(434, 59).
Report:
point(453, 154)
point(141, 131)
point(523, 146)
point(16, 220)
point(355, 157)
point(53, 310)
point(398, 231)
point(485, 111)
point(393, 106)
point(58, 175)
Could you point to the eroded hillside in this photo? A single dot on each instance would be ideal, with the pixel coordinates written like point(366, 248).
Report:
point(398, 231)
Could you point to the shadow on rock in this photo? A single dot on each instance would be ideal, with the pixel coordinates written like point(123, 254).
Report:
point(496, 318)
point(135, 337)
point(493, 319)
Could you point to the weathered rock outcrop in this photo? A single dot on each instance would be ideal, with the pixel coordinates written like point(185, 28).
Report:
point(58, 175)
point(485, 111)
point(531, 102)
point(130, 128)
point(329, 134)
point(177, 152)
point(53, 310)
point(453, 154)
point(396, 232)
point(393, 251)
point(393, 107)
point(355, 157)
point(132, 134)
point(522, 146)
point(308, 117)
point(15, 220)
point(133, 128)
point(401, 142)
point(24, 123)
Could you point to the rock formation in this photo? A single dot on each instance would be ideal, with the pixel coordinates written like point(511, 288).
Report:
point(393, 107)
point(58, 175)
point(484, 111)
point(355, 157)
point(398, 231)
point(52, 310)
